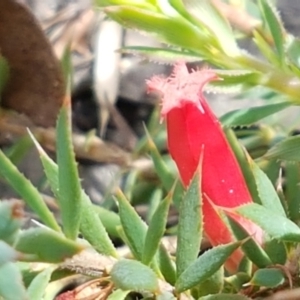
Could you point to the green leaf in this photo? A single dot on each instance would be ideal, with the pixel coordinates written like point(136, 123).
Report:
point(205, 12)
point(238, 280)
point(288, 149)
point(265, 48)
point(69, 194)
point(293, 51)
point(249, 116)
point(186, 35)
point(109, 219)
point(277, 251)
point(91, 226)
point(67, 67)
point(233, 81)
point(93, 230)
point(133, 276)
point(17, 151)
point(213, 285)
point(134, 228)
point(244, 161)
point(154, 201)
point(166, 265)
point(271, 17)
point(205, 266)
point(163, 171)
point(49, 166)
point(275, 225)
point(11, 214)
point(252, 250)
point(37, 240)
point(269, 278)
point(118, 295)
point(27, 191)
point(190, 224)
point(267, 192)
point(292, 190)
point(4, 73)
point(224, 297)
point(11, 285)
point(161, 55)
point(39, 284)
point(156, 230)
point(7, 253)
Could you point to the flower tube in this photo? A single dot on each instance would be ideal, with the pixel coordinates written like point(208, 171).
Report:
point(193, 129)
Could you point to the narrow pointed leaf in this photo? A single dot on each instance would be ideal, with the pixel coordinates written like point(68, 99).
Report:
point(156, 230)
point(233, 81)
point(272, 18)
point(252, 250)
point(109, 219)
point(269, 278)
point(67, 67)
point(213, 285)
point(205, 12)
point(288, 149)
point(189, 225)
point(49, 166)
point(37, 240)
point(17, 151)
point(166, 265)
point(265, 48)
point(205, 266)
point(275, 225)
point(91, 226)
point(277, 251)
point(134, 228)
point(155, 200)
point(39, 284)
point(238, 280)
point(244, 161)
point(162, 170)
point(252, 115)
point(133, 276)
point(27, 191)
point(292, 190)
point(267, 193)
point(11, 285)
point(161, 55)
point(162, 26)
point(69, 194)
point(93, 230)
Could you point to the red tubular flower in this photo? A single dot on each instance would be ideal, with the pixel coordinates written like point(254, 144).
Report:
point(194, 129)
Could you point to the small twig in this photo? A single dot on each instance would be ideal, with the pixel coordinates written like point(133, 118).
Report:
point(14, 126)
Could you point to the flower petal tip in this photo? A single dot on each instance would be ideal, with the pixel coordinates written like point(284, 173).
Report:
point(181, 86)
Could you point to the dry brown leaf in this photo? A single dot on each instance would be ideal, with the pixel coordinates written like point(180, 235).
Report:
point(35, 86)
point(71, 27)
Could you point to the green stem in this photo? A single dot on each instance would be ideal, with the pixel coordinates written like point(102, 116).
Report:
point(276, 79)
